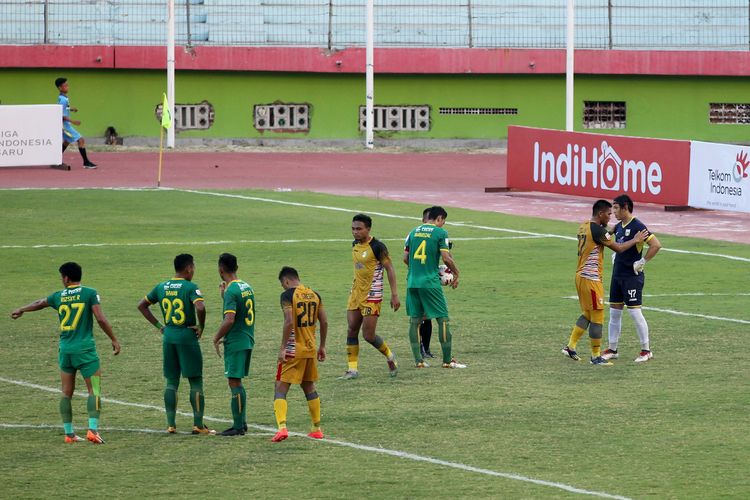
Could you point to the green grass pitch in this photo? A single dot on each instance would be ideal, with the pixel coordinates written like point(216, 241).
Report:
point(675, 427)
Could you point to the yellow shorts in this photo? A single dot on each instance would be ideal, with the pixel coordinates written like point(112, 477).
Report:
point(365, 308)
point(590, 294)
point(298, 370)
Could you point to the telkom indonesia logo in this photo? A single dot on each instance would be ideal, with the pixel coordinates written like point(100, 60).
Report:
point(603, 168)
point(740, 166)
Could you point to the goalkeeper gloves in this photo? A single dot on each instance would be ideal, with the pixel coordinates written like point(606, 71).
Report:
point(638, 266)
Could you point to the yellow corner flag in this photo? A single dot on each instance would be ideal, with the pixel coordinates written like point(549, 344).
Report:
point(166, 115)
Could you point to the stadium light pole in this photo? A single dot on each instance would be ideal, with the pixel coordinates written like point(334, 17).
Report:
point(170, 70)
point(569, 65)
point(370, 75)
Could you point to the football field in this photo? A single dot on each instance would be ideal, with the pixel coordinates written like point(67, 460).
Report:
point(521, 421)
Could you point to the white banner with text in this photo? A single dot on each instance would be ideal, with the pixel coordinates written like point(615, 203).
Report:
point(30, 135)
point(719, 176)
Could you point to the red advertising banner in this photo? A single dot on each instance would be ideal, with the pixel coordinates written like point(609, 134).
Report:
point(599, 165)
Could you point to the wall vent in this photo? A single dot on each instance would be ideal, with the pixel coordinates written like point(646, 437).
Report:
point(604, 114)
point(478, 111)
point(729, 113)
point(397, 118)
point(282, 117)
point(190, 116)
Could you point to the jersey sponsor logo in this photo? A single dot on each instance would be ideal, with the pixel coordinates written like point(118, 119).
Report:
point(198, 292)
point(602, 168)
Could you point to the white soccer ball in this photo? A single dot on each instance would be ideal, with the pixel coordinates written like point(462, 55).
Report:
point(446, 276)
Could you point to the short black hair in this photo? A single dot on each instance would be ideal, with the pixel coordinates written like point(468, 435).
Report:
point(288, 272)
point(228, 262)
point(426, 211)
point(436, 212)
point(72, 271)
point(60, 81)
point(182, 261)
point(366, 219)
point(624, 201)
point(600, 205)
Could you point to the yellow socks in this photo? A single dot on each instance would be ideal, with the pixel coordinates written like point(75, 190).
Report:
point(279, 408)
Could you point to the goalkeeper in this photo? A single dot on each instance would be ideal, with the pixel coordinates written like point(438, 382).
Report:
point(628, 278)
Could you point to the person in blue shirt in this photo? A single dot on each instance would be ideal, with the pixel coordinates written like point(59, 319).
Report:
point(70, 134)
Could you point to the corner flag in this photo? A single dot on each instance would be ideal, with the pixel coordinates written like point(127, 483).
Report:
point(166, 115)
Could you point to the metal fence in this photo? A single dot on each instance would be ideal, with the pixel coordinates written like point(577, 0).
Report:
point(335, 24)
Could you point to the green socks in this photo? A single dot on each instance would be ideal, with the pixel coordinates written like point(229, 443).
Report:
point(444, 332)
point(239, 400)
point(414, 338)
point(66, 411)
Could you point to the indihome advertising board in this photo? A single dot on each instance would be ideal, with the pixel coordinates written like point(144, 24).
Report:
point(599, 165)
point(30, 135)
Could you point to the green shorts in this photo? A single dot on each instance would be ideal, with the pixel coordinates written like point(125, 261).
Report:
point(185, 359)
point(87, 362)
point(426, 303)
point(237, 363)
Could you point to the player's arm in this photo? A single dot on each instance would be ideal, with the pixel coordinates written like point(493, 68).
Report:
point(34, 306)
point(323, 323)
point(448, 259)
point(143, 307)
point(392, 282)
point(639, 237)
point(224, 328)
point(106, 327)
point(286, 332)
point(200, 312)
point(406, 256)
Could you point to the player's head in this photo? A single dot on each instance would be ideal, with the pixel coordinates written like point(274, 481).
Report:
point(623, 206)
point(602, 211)
point(288, 277)
point(184, 265)
point(437, 215)
point(59, 82)
point(426, 214)
point(361, 225)
point(227, 264)
point(70, 272)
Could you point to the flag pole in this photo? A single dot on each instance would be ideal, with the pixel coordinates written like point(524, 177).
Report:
point(161, 152)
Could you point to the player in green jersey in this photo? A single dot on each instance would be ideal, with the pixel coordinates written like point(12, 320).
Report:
point(425, 246)
point(76, 307)
point(237, 333)
point(180, 301)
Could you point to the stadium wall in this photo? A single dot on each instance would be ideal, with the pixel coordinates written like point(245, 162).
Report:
point(667, 94)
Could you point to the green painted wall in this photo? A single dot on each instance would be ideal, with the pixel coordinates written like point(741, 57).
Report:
point(669, 107)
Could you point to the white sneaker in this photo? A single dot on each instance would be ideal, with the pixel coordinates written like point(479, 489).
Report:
point(349, 374)
point(643, 356)
point(453, 364)
point(609, 354)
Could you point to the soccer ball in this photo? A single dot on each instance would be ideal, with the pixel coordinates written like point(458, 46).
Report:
point(446, 276)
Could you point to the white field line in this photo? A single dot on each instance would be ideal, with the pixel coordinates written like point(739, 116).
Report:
point(682, 313)
point(372, 449)
point(381, 214)
point(236, 242)
point(111, 429)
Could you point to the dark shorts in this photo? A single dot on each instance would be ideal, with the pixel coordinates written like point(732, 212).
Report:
point(237, 364)
point(627, 290)
point(87, 362)
point(185, 359)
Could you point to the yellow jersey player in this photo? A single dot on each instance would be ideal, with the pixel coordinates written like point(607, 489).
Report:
point(303, 310)
point(370, 257)
point(592, 238)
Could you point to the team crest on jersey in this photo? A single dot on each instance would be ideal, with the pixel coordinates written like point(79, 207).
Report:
point(627, 232)
point(198, 292)
point(364, 254)
point(98, 299)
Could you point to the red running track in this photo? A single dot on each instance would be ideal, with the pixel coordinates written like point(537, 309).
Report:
point(449, 179)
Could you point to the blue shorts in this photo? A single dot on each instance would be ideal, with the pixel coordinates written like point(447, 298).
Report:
point(627, 290)
point(70, 134)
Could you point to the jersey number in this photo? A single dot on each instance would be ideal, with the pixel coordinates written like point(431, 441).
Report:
point(420, 253)
point(250, 318)
point(581, 243)
point(307, 313)
point(65, 310)
point(174, 311)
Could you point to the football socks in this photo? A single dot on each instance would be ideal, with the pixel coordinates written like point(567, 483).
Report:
point(239, 399)
point(615, 325)
point(197, 400)
point(279, 409)
point(444, 335)
point(170, 401)
point(313, 404)
point(575, 336)
point(66, 412)
point(640, 326)
point(352, 352)
point(414, 338)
